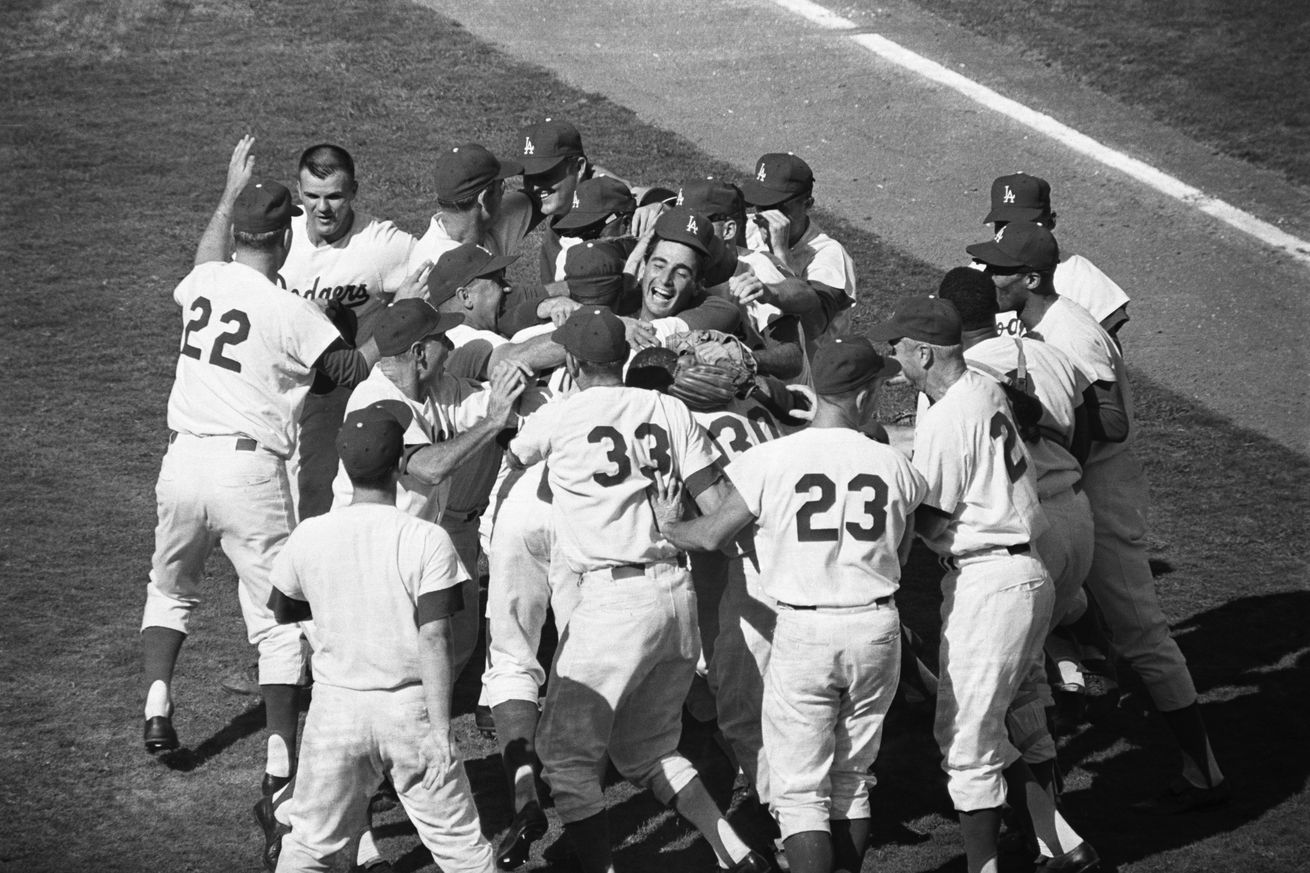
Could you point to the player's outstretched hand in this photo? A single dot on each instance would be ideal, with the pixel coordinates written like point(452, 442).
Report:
point(436, 755)
point(507, 382)
point(639, 334)
point(633, 265)
point(241, 168)
point(665, 492)
point(558, 309)
point(644, 218)
point(416, 283)
point(805, 404)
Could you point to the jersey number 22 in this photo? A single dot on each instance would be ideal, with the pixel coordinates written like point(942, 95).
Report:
point(239, 330)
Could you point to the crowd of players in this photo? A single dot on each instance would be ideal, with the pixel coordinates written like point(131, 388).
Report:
point(666, 447)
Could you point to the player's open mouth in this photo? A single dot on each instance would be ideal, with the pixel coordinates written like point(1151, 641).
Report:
point(663, 293)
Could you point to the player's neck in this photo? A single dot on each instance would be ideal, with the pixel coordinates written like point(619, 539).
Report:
point(379, 496)
point(1035, 309)
point(798, 229)
point(835, 415)
point(463, 227)
point(941, 377)
point(261, 261)
point(971, 338)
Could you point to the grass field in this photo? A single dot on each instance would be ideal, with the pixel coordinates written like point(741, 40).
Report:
point(118, 120)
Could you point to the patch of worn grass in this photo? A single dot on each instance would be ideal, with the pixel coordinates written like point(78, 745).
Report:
point(1231, 75)
point(119, 118)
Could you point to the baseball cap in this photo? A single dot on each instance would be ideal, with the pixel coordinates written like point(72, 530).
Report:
point(682, 225)
point(593, 334)
point(778, 177)
point(461, 265)
point(405, 322)
point(595, 199)
point(1019, 244)
point(547, 143)
point(711, 196)
point(653, 194)
point(466, 169)
point(923, 319)
point(1019, 197)
point(372, 439)
point(848, 363)
point(262, 207)
point(593, 271)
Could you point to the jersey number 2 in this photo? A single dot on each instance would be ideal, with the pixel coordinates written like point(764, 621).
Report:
point(875, 508)
point(239, 332)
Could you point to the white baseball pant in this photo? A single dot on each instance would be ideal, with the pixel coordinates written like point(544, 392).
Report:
point(831, 678)
point(466, 623)
point(621, 673)
point(996, 608)
point(352, 739)
point(211, 492)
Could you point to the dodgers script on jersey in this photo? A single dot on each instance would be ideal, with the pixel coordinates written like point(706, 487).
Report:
point(246, 359)
point(603, 446)
point(362, 269)
point(831, 505)
point(994, 503)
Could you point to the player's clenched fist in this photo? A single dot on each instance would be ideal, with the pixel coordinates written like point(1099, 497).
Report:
point(508, 381)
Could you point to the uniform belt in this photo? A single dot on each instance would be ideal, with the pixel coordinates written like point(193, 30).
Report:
point(881, 601)
point(632, 571)
point(239, 443)
point(952, 562)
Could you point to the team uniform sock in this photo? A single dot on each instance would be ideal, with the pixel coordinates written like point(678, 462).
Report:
point(1199, 765)
point(366, 852)
point(694, 804)
point(282, 715)
point(809, 852)
point(980, 829)
point(159, 650)
point(516, 729)
point(1035, 802)
point(590, 839)
point(850, 838)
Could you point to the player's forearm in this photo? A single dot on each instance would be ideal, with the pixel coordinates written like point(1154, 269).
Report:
point(795, 296)
point(216, 242)
point(1107, 415)
point(538, 354)
point(434, 665)
point(434, 463)
point(694, 535)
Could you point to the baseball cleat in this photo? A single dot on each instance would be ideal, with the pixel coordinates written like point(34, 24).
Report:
point(270, 784)
point(159, 734)
point(273, 830)
point(1182, 796)
point(528, 826)
point(752, 863)
point(1082, 859)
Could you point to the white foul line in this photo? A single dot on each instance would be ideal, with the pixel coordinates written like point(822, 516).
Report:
point(1042, 123)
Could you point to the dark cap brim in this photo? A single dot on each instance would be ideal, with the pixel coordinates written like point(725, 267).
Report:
point(1014, 213)
point(991, 253)
point(509, 168)
point(886, 331)
point(756, 194)
point(533, 166)
point(495, 265)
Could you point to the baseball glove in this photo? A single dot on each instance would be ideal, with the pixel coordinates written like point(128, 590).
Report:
point(713, 368)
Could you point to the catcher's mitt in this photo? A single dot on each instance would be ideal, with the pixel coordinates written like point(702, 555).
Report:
point(713, 368)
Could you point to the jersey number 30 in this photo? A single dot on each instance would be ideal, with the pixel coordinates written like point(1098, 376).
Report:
point(866, 530)
point(239, 330)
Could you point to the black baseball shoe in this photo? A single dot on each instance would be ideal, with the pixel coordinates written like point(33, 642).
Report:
point(159, 734)
point(528, 826)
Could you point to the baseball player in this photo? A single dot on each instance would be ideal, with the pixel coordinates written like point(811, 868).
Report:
point(981, 516)
point(1056, 443)
point(831, 510)
point(525, 581)
point(627, 657)
point(381, 587)
point(1021, 261)
point(247, 357)
point(795, 265)
point(1021, 197)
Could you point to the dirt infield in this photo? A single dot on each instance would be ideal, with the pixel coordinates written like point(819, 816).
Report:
point(118, 120)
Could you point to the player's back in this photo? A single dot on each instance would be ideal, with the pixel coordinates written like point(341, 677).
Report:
point(740, 425)
point(831, 505)
point(246, 357)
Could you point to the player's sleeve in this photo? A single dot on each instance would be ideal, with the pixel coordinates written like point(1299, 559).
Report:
point(474, 400)
point(532, 443)
point(696, 455)
point(185, 291)
point(393, 250)
point(832, 273)
point(746, 472)
point(912, 483)
point(713, 313)
point(309, 332)
point(440, 585)
point(286, 598)
point(471, 360)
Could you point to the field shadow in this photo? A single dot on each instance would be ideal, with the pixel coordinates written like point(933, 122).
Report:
point(242, 725)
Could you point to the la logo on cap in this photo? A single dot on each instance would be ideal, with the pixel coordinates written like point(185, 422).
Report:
point(1009, 195)
point(761, 175)
point(1000, 235)
point(576, 202)
point(528, 147)
point(691, 224)
point(680, 199)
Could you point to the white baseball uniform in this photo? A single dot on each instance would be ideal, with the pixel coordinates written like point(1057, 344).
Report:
point(362, 270)
point(816, 257)
point(627, 657)
point(245, 367)
point(1120, 578)
point(504, 237)
point(372, 574)
point(1081, 281)
point(831, 508)
point(997, 595)
point(736, 618)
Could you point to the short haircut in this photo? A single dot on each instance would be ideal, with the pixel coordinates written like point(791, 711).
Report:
point(265, 241)
point(377, 483)
point(591, 368)
point(974, 294)
point(324, 159)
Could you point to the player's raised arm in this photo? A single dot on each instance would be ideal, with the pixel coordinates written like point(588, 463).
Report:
point(216, 242)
